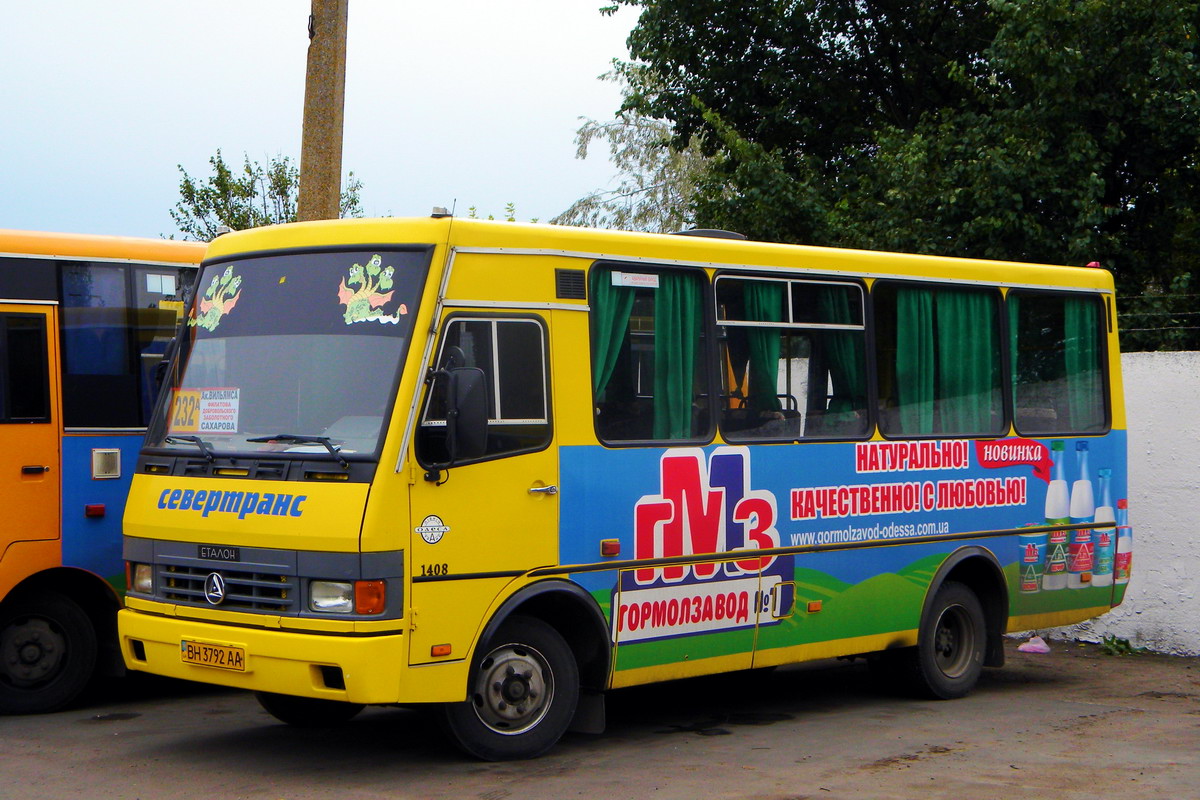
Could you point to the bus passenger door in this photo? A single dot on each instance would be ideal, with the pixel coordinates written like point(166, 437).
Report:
point(480, 523)
point(29, 424)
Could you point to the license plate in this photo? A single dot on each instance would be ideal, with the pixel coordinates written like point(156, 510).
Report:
point(220, 656)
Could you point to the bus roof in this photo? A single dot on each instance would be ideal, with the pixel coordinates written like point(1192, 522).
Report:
point(89, 246)
point(649, 248)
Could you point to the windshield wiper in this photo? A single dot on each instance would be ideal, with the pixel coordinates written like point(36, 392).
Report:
point(196, 440)
point(302, 439)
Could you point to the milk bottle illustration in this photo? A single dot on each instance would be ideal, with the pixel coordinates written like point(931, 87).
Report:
point(1123, 563)
point(1104, 534)
point(1083, 509)
point(1058, 512)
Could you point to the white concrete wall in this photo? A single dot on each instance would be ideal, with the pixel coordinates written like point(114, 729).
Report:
point(1162, 606)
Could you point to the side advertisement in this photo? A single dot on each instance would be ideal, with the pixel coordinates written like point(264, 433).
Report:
point(689, 512)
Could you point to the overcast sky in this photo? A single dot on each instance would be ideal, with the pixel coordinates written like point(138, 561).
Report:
point(474, 101)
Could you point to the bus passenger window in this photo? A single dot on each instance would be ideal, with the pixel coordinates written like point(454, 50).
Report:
point(648, 376)
point(938, 360)
point(116, 324)
point(1056, 343)
point(793, 359)
point(512, 354)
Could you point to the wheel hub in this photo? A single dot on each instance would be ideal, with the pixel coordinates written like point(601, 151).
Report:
point(30, 652)
point(952, 642)
point(512, 693)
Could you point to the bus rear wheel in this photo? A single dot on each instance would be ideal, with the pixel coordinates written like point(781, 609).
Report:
point(47, 653)
point(307, 712)
point(950, 645)
point(523, 693)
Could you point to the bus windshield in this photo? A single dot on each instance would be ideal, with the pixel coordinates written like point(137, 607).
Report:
point(292, 353)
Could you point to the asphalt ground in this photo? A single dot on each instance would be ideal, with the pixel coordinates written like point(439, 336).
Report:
point(1076, 723)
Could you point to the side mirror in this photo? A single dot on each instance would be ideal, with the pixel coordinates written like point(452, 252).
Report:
point(467, 416)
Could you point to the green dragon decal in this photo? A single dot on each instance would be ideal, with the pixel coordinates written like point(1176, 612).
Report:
point(374, 284)
point(219, 299)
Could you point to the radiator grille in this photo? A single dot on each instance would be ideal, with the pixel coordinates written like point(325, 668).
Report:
point(244, 591)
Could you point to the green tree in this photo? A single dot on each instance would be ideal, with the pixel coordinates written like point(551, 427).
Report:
point(657, 181)
point(250, 197)
point(1048, 130)
point(510, 213)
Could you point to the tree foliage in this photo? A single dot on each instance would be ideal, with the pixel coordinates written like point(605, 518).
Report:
point(252, 196)
point(657, 182)
point(1044, 130)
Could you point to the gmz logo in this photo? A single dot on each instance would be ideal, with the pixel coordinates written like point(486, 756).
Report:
point(702, 511)
point(704, 507)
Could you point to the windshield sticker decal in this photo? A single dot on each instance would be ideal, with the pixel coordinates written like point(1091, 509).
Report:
point(218, 300)
point(364, 303)
point(208, 410)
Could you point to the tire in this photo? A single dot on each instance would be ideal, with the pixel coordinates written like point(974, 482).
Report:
point(948, 658)
point(307, 712)
point(47, 653)
point(524, 688)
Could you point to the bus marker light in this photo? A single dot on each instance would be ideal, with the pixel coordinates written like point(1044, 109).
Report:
point(814, 606)
point(370, 597)
point(93, 510)
point(439, 650)
point(610, 547)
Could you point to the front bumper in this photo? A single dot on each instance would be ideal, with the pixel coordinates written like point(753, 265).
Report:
point(370, 668)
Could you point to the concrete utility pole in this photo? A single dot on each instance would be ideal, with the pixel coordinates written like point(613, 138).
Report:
point(324, 100)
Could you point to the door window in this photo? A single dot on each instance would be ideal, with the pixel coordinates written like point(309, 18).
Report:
point(24, 369)
point(511, 352)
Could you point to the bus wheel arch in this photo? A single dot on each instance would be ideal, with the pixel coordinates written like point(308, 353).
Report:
point(574, 613)
point(961, 630)
point(48, 649)
point(98, 599)
point(538, 669)
point(522, 693)
point(978, 569)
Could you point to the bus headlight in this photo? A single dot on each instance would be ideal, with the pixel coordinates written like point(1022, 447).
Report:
point(142, 580)
point(331, 597)
point(343, 597)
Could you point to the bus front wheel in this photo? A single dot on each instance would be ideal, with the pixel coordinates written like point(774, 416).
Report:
point(47, 653)
point(523, 692)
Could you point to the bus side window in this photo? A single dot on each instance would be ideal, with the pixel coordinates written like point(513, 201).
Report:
point(648, 376)
point(512, 354)
point(1056, 344)
point(793, 359)
point(116, 323)
point(938, 360)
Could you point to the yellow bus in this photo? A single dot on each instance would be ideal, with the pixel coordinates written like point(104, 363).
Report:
point(506, 468)
point(84, 324)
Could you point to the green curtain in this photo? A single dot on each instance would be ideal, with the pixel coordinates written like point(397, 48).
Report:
point(763, 302)
point(611, 307)
point(845, 357)
point(1085, 397)
point(915, 360)
point(968, 350)
point(677, 318)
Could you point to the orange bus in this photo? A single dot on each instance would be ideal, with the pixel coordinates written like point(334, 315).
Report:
point(84, 323)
